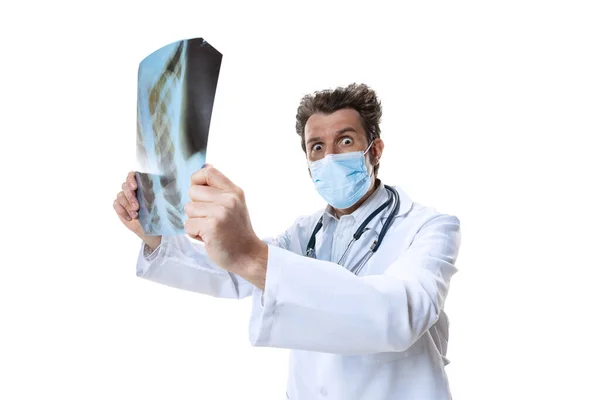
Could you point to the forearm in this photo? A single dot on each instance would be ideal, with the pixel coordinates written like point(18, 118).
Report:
point(252, 266)
point(318, 306)
point(315, 306)
point(179, 263)
point(151, 241)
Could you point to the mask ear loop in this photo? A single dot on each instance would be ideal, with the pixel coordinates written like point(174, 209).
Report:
point(366, 151)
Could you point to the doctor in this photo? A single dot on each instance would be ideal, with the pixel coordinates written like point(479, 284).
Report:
point(355, 290)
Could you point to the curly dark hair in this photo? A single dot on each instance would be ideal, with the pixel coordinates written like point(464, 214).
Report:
point(357, 96)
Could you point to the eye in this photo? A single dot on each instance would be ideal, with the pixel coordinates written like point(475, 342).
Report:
point(346, 141)
point(317, 147)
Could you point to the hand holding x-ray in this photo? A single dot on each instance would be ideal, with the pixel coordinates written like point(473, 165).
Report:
point(126, 204)
point(218, 217)
point(126, 207)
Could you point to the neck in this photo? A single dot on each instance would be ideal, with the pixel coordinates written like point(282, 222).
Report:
point(339, 212)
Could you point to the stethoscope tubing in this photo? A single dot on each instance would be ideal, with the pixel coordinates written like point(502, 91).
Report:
point(393, 197)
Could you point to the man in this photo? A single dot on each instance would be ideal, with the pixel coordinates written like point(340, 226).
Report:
point(361, 310)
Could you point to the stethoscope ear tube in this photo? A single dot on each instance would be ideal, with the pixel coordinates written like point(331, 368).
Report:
point(359, 266)
point(361, 228)
point(310, 248)
point(390, 220)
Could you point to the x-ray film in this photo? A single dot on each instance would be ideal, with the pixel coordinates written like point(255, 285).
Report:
point(176, 92)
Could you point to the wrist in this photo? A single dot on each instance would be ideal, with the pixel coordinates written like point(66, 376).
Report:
point(254, 266)
point(151, 241)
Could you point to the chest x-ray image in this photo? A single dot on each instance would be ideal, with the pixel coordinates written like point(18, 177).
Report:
point(176, 92)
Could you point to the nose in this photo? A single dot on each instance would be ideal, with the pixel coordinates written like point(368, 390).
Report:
point(330, 150)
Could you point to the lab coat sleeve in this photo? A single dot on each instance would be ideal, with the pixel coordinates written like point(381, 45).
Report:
point(180, 263)
point(318, 306)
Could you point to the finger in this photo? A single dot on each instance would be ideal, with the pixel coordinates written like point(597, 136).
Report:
point(198, 238)
point(212, 177)
point(122, 199)
point(131, 181)
point(130, 195)
point(195, 227)
point(204, 193)
point(204, 210)
point(121, 211)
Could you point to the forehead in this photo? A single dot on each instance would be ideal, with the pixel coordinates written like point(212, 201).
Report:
point(320, 124)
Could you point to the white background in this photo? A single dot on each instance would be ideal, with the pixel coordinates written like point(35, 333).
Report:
point(490, 113)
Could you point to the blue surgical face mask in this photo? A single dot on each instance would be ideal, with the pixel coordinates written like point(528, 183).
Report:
point(341, 179)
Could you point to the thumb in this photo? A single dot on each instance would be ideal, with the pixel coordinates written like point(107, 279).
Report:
point(210, 176)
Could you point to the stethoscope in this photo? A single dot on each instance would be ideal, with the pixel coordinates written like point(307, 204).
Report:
point(393, 197)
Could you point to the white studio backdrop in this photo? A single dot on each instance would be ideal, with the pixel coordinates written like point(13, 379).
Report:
point(490, 113)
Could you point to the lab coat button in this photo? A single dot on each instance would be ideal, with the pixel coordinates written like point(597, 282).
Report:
point(323, 392)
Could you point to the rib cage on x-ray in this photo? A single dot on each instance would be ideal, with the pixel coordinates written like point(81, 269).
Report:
point(145, 180)
point(159, 99)
point(176, 90)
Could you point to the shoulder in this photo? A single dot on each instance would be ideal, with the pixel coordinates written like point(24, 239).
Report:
point(424, 214)
point(419, 215)
point(432, 231)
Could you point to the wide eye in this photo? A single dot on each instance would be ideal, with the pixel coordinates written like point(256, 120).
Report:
point(346, 141)
point(317, 147)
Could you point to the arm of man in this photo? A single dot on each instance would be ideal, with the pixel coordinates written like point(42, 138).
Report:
point(182, 263)
point(316, 305)
point(179, 263)
point(218, 219)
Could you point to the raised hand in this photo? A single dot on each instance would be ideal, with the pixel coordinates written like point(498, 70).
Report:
point(218, 216)
point(126, 207)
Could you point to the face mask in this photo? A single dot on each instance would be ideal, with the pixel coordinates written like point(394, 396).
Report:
point(341, 179)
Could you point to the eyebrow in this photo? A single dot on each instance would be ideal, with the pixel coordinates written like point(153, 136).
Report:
point(337, 133)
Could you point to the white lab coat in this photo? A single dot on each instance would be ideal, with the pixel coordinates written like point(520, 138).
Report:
point(380, 335)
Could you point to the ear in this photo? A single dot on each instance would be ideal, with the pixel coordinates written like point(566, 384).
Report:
point(377, 150)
